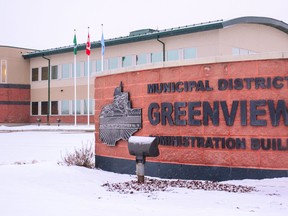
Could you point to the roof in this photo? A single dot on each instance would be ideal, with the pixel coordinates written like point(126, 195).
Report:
point(15, 47)
point(154, 34)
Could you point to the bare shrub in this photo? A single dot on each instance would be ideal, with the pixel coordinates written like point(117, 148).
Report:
point(80, 157)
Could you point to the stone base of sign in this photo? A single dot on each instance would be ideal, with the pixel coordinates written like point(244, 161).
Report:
point(184, 171)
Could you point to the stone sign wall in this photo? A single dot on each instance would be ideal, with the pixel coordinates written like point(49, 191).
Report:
point(216, 121)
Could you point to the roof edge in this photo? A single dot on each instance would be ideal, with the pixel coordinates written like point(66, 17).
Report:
point(219, 24)
point(280, 25)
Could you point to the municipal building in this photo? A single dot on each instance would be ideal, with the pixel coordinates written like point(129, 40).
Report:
point(214, 94)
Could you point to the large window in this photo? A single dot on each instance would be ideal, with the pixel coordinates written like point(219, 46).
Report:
point(239, 51)
point(98, 66)
point(78, 107)
point(34, 108)
point(86, 68)
point(91, 106)
point(3, 71)
point(79, 69)
point(35, 74)
point(172, 55)
point(113, 63)
point(65, 107)
point(65, 71)
point(44, 73)
point(156, 57)
point(126, 61)
point(190, 53)
point(54, 108)
point(44, 108)
point(141, 59)
point(54, 74)
point(93, 66)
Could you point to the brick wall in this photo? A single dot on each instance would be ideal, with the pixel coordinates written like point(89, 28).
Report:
point(14, 103)
point(266, 146)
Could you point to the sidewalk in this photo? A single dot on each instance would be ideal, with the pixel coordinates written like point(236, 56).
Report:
point(44, 127)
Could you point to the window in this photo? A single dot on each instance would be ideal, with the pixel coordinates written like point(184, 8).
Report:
point(44, 108)
point(3, 71)
point(156, 57)
point(65, 71)
point(141, 59)
point(35, 74)
point(34, 108)
point(126, 61)
point(113, 63)
point(190, 53)
point(86, 68)
point(54, 72)
point(239, 51)
point(172, 55)
point(91, 106)
point(78, 107)
point(79, 69)
point(44, 73)
point(98, 65)
point(235, 51)
point(54, 108)
point(93, 66)
point(65, 107)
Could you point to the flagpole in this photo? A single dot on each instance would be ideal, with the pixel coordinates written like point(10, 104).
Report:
point(75, 52)
point(75, 113)
point(88, 46)
point(102, 62)
point(102, 50)
point(88, 103)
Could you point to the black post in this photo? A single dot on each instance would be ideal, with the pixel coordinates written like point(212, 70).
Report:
point(48, 106)
point(163, 44)
point(140, 168)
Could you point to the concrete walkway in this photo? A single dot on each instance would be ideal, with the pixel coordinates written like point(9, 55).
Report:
point(44, 127)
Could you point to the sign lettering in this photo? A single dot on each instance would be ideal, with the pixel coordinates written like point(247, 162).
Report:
point(256, 113)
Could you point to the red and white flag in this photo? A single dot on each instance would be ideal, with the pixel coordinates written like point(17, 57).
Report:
point(88, 45)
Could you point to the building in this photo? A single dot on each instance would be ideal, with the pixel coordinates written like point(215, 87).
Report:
point(213, 94)
point(142, 49)
point(221, 115)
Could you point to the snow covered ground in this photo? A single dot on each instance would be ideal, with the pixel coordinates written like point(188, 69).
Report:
point(40, 187)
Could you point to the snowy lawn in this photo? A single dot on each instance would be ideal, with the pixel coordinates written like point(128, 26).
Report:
point(40, 187)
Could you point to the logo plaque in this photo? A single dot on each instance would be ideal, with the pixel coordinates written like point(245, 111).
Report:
point(119, 120)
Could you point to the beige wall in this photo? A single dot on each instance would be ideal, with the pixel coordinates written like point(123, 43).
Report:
point(210, 44)
point(61, 89)
point(39, 88)
point(206, 41)
point(259, 38)
point(17, 68)
point(254, 37)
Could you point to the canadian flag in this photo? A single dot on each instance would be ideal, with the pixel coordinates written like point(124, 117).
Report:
point(88, 45)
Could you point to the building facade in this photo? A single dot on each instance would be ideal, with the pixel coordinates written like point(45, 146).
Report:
point(214, 118)
point(142, 49)
point(14, 85)
point(213, 94)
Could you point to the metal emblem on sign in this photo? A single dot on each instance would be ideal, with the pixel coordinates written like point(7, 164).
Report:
point(119, 120)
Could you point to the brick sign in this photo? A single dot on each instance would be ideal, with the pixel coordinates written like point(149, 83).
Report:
point(229, 119)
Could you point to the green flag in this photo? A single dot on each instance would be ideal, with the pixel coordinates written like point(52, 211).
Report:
point(75, 44)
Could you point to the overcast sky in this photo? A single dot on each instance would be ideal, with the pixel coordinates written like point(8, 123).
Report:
point(50, 23)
